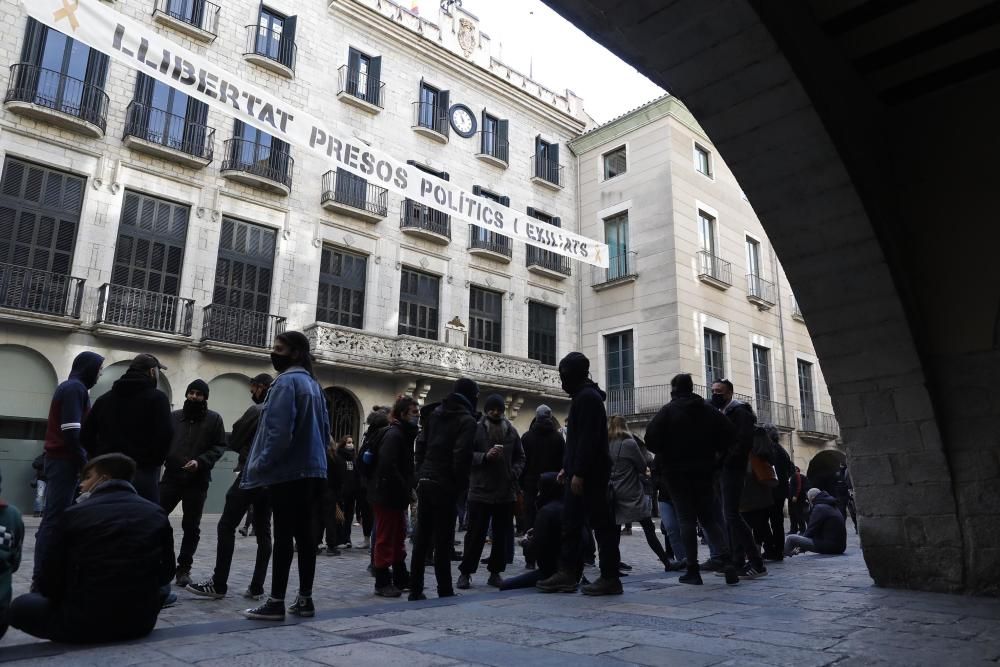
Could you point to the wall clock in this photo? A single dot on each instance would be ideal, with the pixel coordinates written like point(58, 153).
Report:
point(463, 121)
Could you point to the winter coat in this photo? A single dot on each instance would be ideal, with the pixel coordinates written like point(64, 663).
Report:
point(109, 556)
point(587, 436)
point(827, 527)
point(293, 433)
point(689, 436)
point(444, 450)
point(349, 486)
point(202, 440)
point(544, 449)
point(11, 541)
point(545, 543)
point(392, 480)
point(755, 496)
point(743, 418)
point(629, 467)
point(336, 474)
point(69, 407)
point(244, 430)
point(798, 485)
point(132, 419)
point(494, 482)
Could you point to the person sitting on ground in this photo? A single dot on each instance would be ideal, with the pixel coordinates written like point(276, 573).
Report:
point(827, 529)
point(544, 540)
point(11, 541)
point(113, 552)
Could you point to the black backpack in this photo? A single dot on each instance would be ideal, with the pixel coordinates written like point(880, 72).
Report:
point(367, 458)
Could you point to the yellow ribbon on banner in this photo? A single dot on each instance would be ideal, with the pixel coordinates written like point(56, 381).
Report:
point(68, 11)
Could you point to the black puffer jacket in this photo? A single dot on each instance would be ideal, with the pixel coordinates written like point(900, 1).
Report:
point(495, 481)
point(544, 449)
point(132, 419)
point(587, 436)
point(444, 450)
point(392, 480)
point(108, 558)
point(202, 439)
point(688, 436)
point(827, 527)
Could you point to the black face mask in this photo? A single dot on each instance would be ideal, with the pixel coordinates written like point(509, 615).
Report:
point(195, 409)
point(719, 401)
point(281, 362)
point(258, 398)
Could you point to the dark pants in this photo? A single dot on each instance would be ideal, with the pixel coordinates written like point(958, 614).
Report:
point(294, 506)
point(348, 505)
point(63, 477)
point(480, 515)
point(435, 529)
point(37, 615)
point(526, 580)
point(741, 542)
point(760, 525)
point(693, 497)
point(365, 514)
point(389, 542)
point(796, 516)
point(776, 518)
point(147, 483)
point(326, 519)
point(594, 509)
point(239, 502)
point(191, 496)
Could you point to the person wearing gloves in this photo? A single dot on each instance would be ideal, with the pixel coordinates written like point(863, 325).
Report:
point(827, 529)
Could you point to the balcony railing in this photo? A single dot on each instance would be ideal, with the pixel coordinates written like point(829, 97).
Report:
point(24, 288)
point(350, 190)
point(546, 170)
point(259, 160)
point(169, 130)
point(58, 92)
point(647, 400)
point(431, 117)
point(491, 145)
point(142, 309)
point(272, 45)
point(549, 260)
point(202, 15)
point(796, 311)
point(781, 415)
point(819, 425)
point(417, 216)
point(759, 290)
point(714, 269)
point(483, 239)
point(358, 85)
point(621, 267)
point(225, 324)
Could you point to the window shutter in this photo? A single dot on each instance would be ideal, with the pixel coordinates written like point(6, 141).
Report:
point(445, 176)
point(287, 46)
point(144, 86)
point(34, 38)
point(476, 190)
point(444, 104)
point(538, 145)
point(502, 131)
point(505, 201)
point(195, 130)
point(556, 222)
point(353, 70)
point(531, 212)
point(374, 80)
point(97, 68)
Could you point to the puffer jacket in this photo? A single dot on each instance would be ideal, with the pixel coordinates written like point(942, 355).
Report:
point(827, 527)
point(392, 481)
point(444, 450)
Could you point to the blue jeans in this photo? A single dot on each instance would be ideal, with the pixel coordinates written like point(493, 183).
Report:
point(672, 529)
point(62, 477)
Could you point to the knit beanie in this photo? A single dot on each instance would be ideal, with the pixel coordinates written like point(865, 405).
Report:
point(494, 402)
point(262, 379)
point(469, 389)
point(198, 385)
point(543, 412)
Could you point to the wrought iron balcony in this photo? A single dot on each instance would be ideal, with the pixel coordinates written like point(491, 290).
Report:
point(546, 172)
point(493, 149)
point(51, 96)
point(622, 268)
point(796, 311)
point(630, 401)
point(760, 292)
point(141, 309)
point(490, 244)
point(357, 89)
point(431, 120)
point(258, 165)
point(168, 136)
point(548, 263)
point(236, 326)
point(198, 19)
point(781, 415)
point(425, 222)
point(714, 270)
point(343, 192)
point(816, 425)
point(31, 290)
point(271, 50)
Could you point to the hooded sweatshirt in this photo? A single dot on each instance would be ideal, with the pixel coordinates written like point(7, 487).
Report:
point(132, 419)
point(827, 527)
point(69, 408)
point(544, 448)
point(587, 435)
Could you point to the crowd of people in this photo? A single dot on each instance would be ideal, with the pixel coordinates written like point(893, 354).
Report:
point(113, 472)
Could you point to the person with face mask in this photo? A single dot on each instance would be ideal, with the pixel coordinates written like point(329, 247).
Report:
point(389, 492)
point(64, 451)
point(348, 500)
point(330, 516)
point(199, 441)
point(288, 458)
point(497, 463)
point(586, 472)
point(239, 502)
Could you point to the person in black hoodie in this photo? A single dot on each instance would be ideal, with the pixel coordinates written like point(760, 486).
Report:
point(544, 540)
point(133, 419)
point(544, 449)
point(827, 530)
point(587, 471)
point(113, 551)
point(199, 441)
point(443, 458)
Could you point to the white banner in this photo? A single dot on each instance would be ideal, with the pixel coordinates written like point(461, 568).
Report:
point(142, 48)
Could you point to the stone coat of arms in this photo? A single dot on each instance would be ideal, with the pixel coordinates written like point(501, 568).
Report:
point(466, 36)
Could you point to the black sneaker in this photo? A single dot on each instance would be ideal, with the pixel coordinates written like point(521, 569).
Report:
point(603, 586)
point(691, 578)
point(206, 589)
point(732, 577)
point(753, 571)
point(332, 551)
point(302, 607)
point(495, 580)
point(416, 596)
point(183, 578)
point(463, 582)
point(272, 610)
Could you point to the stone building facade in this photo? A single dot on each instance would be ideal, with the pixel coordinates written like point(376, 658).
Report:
point(694, 285)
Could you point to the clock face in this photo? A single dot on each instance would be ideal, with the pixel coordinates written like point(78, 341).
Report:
point(463, 121)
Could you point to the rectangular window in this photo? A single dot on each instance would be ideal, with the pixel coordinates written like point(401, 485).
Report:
point(419, 296)
point(616, 236)
point(164, 115)
point(715, 363)
point(753, 257)
point(706, 230)
point(364, 75)
point(259, 153)
point(149, 252)
point(341, 288)
point(614, 163)
point(494, 137)
point(485, 319)
point(276, 36)
point(806, 395)
point(762, 375)
point(481, 237)
point(703, 160)
point(546, 258)
point(619, 362)
point(542, 333)
point(432, 108)
point(547, 161)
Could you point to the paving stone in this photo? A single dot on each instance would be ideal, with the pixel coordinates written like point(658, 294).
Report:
point(261, 659)
point(590, 645)
point(661, 611)
point(374, 655)
point(207, 648)
point(503, 655)
point(654, 655)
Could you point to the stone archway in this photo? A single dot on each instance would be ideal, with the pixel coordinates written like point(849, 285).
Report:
point(229, 395)
point(345, 413)
point(823, 468)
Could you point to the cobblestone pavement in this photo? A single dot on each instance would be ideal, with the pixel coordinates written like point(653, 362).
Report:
point(810, 610)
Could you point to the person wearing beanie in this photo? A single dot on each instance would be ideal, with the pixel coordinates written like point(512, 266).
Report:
point(544, 448)
point(443, 457)
point(288, 458)
point(586, 471)
point(252, 502)
point(497, 463)
point(827, 529)
point(199, 440)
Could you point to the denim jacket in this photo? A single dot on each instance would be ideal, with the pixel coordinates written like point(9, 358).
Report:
point(291, 437)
